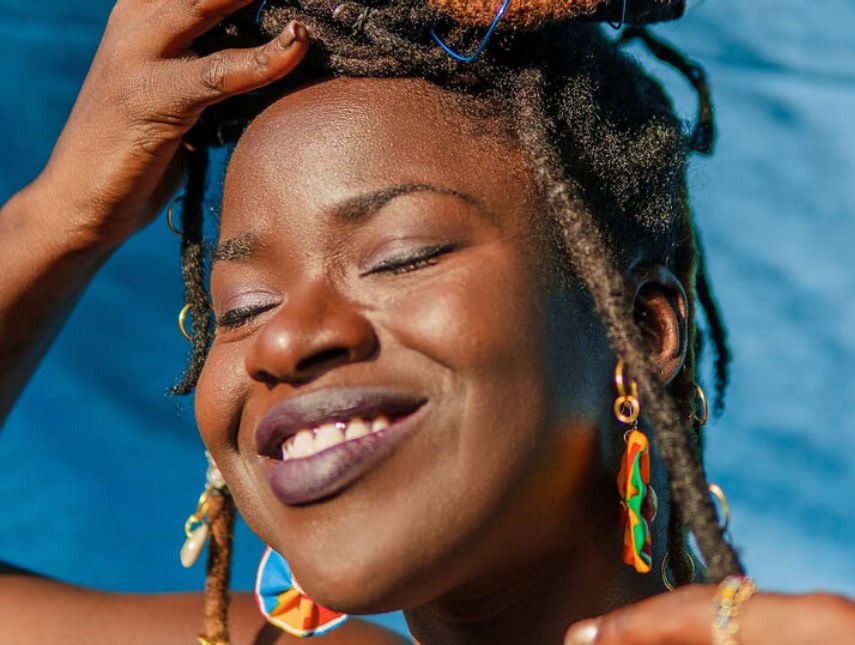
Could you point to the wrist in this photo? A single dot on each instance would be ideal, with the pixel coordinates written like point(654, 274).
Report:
point(61, 220)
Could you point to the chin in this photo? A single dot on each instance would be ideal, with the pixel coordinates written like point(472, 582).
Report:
point(357, 590)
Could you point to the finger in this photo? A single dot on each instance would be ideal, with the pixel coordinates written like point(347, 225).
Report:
point(685, 617)
point(180, 22)
point(235, 71)
point(682, 617)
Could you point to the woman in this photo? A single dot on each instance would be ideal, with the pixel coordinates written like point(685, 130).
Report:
point(407, 263)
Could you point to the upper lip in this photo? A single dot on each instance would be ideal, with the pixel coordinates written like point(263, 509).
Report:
point(313, 409)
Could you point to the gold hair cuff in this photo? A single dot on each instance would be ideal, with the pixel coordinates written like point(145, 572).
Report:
point(730, 599)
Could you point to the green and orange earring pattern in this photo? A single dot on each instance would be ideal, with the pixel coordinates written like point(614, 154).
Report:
point(638, 499)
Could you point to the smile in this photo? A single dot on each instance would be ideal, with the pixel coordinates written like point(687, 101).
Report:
point(315, 445)
point(311, 441)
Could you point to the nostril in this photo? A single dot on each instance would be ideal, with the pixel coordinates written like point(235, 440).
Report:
point(268, 379)
point(323, 360)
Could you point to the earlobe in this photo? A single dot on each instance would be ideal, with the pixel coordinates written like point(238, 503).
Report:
point(660, 309)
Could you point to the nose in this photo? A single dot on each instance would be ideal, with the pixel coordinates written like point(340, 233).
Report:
point(315, 331)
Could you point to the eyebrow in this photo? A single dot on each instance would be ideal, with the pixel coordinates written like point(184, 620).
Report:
point(352, 211)
point(359, 208)
point(237, 248)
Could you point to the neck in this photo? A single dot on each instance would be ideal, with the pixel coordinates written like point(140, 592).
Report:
point(538, 602)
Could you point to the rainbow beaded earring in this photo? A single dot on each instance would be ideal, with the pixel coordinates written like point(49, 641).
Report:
point(638, 499)
point(284, 603)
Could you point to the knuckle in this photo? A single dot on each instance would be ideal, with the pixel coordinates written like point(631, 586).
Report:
point(193, 8)
point(215, 73)
point(198, 10)
point(260, 60)
point(150, 135)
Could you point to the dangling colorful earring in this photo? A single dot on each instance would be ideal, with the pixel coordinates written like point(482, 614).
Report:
point(638, 499)
point(284, 603)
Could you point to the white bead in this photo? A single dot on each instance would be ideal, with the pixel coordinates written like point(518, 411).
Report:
point(193, 546)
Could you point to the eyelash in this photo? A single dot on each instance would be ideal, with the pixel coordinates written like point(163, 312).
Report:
point(418, 259)
point(238, 317)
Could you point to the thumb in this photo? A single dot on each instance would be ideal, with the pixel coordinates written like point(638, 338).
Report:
point(682, 617)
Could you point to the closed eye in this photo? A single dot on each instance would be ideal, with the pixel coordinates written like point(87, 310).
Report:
point(239, 316)
point(410, 261)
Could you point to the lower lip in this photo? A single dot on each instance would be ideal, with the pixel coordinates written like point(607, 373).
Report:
point(296, 482)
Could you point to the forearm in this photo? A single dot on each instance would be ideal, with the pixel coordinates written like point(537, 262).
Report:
point(44, 269)
point(39, 610)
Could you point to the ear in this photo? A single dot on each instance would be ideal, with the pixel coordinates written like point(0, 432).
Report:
point(660, 308)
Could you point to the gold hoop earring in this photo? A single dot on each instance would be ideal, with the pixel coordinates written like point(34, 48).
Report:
point(627, 409)
point(705, 410)
point(663, 570)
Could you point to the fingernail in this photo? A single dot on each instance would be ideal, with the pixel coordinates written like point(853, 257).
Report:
point(293, 32)
point(584, 633)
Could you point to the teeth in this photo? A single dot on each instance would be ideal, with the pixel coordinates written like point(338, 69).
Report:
point(357, 428)
point(309, 442)
point(304, 444)
point(327, 436)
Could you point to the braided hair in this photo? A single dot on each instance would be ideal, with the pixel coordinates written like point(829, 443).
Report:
point(608, 156)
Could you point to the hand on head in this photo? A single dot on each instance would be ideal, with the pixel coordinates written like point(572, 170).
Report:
point(145, 91)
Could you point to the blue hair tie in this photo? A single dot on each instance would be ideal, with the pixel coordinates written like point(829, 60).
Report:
point(259, 12)
point(468, 59)
point(618, 25)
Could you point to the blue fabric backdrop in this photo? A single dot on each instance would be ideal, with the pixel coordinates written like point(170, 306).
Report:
point(99, 468)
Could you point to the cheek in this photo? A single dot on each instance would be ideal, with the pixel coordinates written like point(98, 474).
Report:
point(479, 318)
point(483, 323)
point(219, 399)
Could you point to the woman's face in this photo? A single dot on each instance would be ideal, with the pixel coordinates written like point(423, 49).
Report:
point(383, 262)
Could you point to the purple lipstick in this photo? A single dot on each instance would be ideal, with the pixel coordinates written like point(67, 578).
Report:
point(317, 444)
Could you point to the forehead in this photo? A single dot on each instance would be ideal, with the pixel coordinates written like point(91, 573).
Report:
point(334, 140)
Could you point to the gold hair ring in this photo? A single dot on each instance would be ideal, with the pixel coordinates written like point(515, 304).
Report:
point(663, 570)
point(182, 320)
point(169, 220)
point(729, 605)
point(718, 493)
point(705, 410)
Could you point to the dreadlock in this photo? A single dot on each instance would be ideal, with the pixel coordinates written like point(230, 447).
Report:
point(608, 157)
